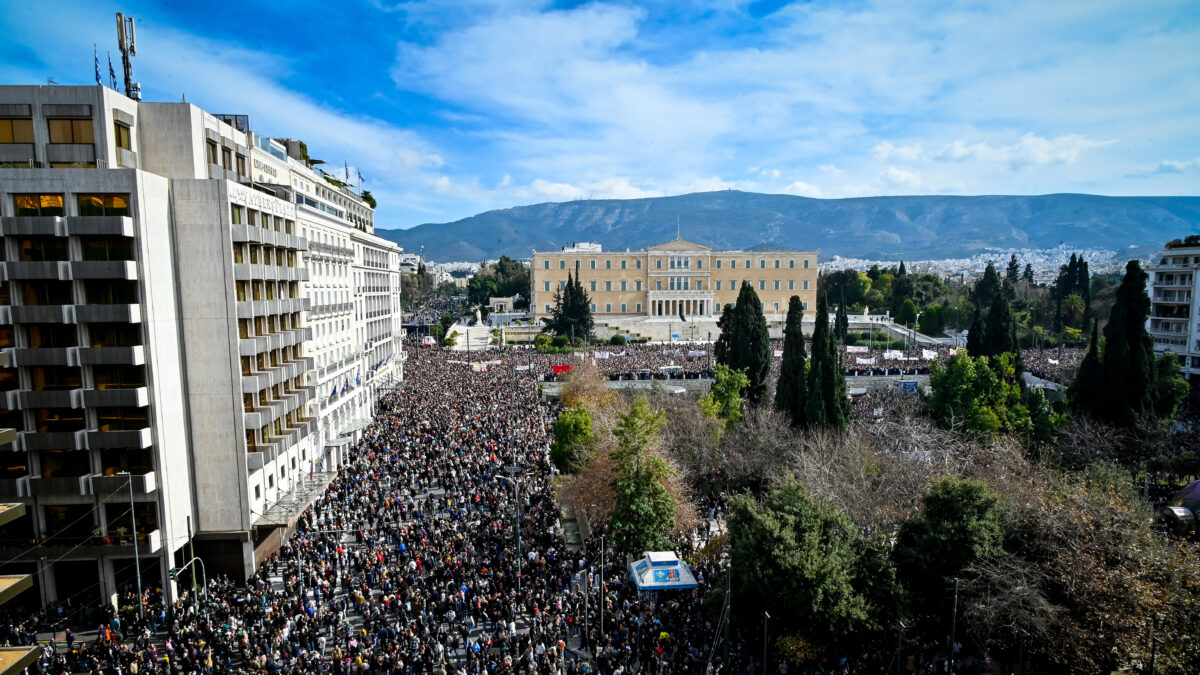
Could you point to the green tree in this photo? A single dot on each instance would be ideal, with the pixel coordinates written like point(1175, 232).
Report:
point(841, 323)
point(724, 398)
point(573, 438)
point(827, 405)
point(368, 198)
point(805, 562)
point(643, 511)
point(744, 343)
point(960, 521)
point(572, 312)
point(845, 286)
point(1013, 273)
point(907, 314)
point(932, 321)
point(1027, 275)
point(1135, 386)
point(792, 387)
point(978, 395)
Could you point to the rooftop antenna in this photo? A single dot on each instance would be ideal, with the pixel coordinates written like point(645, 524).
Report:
point(677, 228)
point(127, 43)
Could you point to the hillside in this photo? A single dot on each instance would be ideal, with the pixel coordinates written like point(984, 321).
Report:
point(872, 227)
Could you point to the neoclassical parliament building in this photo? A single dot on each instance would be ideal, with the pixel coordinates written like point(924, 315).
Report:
point(678, 277)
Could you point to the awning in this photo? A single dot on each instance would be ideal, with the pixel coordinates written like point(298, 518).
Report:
point(339, 442)
point(356, 425)
point(661, 571)
point(291, 505)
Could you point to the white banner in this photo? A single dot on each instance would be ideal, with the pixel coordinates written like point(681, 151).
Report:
point(778, 353)
point(603, 355)
point(524, 367)
point(893, 354)
point(697, 352)
point(1052, 361)
point(856, 349)
point(928, 354)
point(670, 352)
point(953, 352)
point(865, 362)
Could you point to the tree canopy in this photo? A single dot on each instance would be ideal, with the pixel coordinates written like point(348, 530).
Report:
point(744, 343)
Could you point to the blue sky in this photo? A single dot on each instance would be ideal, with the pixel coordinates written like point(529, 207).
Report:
point(451, 108)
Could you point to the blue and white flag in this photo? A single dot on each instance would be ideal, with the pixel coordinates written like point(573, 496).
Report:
point(112, 74)
point(96, 56)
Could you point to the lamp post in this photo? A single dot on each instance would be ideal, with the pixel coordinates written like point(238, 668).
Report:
point(137, 559)
point(766, 617)
point(512, 471)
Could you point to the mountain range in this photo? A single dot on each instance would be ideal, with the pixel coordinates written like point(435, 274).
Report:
point(885, 228)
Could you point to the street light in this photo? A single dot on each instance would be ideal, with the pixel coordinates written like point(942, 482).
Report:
point(766, 616)
point(137, 559)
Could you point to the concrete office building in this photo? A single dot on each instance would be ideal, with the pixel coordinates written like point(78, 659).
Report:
point(154, 320)
point(1175, 304)
point(678, 277)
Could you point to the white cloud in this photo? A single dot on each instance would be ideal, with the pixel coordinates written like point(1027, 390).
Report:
point(1029, 149)
point(885, 151)
point(895, 177)
point(831, 169)
point(802, 189)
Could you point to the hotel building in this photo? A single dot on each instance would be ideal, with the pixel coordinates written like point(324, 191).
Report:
point(157, 338)
point(678, 277)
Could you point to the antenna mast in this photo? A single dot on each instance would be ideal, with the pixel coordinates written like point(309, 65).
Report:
point(127, 42)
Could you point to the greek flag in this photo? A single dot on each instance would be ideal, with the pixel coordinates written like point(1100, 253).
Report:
point(96, 56)
point(112, 74)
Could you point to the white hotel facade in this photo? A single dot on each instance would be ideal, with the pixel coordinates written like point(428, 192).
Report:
point(187, 310)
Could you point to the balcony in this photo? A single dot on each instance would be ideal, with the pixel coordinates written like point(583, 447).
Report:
point(143, 484)
point(1179, 297)
point(134, 355)
point(15, 488)
point(52, 440)
point(37, 269)
point(60, 487)
point(104, 269)
point(46, 356)
point(26, 399)
point(112, 226)
point(133, 397)
point(121, 438)
point(71, 153)
point(50, 226)
point(42, 314)
point(87, 547)
point(108, 313)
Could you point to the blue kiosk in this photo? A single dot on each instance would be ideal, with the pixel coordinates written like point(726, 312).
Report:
point(661, 571)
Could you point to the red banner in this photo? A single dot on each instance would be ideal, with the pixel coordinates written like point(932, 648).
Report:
point(562, 369)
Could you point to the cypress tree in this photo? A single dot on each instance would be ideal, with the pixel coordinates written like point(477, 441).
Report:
point(1085, 389)
point(843, 323)
point(745, 343)
point(999, 329)
point(827, 405)
point(975, 334)
point(901, 272)
point(792, 386)
point(1027, 275)
point(1127, 369)
point(1013, 273)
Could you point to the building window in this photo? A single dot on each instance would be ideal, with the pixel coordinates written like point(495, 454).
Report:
point(762, 263)
point(791, 284)
point(547, 264)
point(732, 264)
point(212, 152)
point(658, 284)
point(71, 131)
point(639, 308)
point(562, 264)
point(122, 136)
point(806, 305)
point(593, 286)
point(608, 286)
point(777, 263)
point(792, 264)
point(241, 165)
point(16, 131)
point(547, 309)
point(762, 285)
point(236, 214)
point(546, 286)
point(639, 263)
point(608, 264)
point(699, 264)
point(637, 285)
point(624, 285)
point(593, 308)
point(38, 205)
point(806, 263)
point(777, 308)
point(103, 205)
point(562, 285)
point(718, 285)
point(718, 263)
point(717, 307)
point(593, 264)
point(623, 310)
point(658, 263)
point(733, 284)
point(776, 284)
point(623, 264)
point(806, 284)
point(608, 308)
point(763, 306)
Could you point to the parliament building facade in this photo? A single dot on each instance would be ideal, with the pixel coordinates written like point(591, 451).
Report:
point(678, 277)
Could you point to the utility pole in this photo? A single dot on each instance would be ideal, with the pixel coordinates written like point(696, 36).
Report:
point(728, 585)
point(766, 616)
point(602, 603)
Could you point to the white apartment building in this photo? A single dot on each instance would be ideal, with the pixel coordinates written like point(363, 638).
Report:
point(157, 318)
point(1174, 322)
